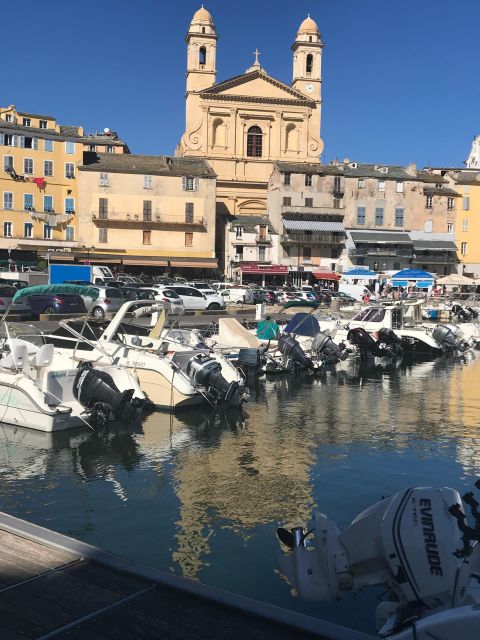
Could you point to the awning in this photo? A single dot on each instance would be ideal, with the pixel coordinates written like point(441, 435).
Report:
point(270, 269)
point(201, 264)
point(378, 237)
point(420, 284)
point(313, 225)
point(435, 245)
point(144, 262)
point(325, 275)
point(61, 258)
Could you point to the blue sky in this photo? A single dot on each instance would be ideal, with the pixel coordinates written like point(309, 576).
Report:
point(400, 79)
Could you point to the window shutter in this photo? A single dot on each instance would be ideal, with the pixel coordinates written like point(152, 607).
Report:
point(34, 143)
point(15, 141)
point(2, 138)
point(184, 183)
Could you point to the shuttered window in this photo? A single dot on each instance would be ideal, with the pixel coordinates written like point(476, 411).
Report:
point(103, 208)
point(147, 212)
point(189, 207)
point(189, 239)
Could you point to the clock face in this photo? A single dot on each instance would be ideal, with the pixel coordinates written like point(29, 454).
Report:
point(309, 87)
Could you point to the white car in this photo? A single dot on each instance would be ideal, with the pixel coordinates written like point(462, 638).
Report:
point(194, 299)
point(203, 287)
point(235, 294)
point(162, 294)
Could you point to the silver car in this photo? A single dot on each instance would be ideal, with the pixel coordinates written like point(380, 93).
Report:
point(21, 308)
point(109, 300)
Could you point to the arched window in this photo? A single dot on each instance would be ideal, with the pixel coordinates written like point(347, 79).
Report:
point(202, 55)
point(254, 142)
point(309, 65)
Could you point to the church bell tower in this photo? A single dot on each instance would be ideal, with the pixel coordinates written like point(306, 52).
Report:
point(201, 42)
point(307, 60)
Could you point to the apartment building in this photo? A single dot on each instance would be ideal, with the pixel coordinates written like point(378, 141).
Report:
point(386, 217)
point(38, 181)
point(146, 212)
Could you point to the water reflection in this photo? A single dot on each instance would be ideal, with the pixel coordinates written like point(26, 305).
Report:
point(200, 493)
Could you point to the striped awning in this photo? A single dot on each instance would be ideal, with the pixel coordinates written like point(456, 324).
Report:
point(313, 225)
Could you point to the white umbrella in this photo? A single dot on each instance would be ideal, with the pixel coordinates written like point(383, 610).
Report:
point(456, 280)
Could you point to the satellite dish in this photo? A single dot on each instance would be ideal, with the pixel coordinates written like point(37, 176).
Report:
point(106, 130)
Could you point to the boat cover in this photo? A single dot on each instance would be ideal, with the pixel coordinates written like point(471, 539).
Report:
point(232, 334)
point(303, 324)
point(41, 289)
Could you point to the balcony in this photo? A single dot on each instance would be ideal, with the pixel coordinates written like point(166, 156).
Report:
point(309, 239)
point(338, 192)
point(263, 239)
point(114, 220)
point(330, 210)
point(431, 258)
point(381, 251)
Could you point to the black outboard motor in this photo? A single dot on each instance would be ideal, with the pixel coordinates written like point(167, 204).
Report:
point(326, 347)
point(96, 391)
point(473, 313)
point(366, 344)
point(464, 315)
point(390, 341)
point(293, 353)
point(204, 371)
point(448, 340)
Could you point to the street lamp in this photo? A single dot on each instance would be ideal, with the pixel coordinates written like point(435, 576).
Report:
point(88, 250)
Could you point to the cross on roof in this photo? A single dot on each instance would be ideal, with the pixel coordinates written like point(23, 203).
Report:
point(256, 53)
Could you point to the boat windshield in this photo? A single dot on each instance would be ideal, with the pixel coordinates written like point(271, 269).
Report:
point(22, 331)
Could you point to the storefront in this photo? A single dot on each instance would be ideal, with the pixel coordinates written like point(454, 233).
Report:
point(263, 274)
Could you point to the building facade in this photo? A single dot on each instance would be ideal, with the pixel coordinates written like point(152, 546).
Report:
point(38, 182)
point(138, 211)
point(467, 184)
point(244, 124)
point(336, 216)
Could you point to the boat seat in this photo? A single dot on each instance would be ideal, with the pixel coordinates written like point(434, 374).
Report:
point(43, 357)
point(15, 359)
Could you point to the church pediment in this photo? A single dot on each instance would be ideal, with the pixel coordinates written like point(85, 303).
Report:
point(256, 85)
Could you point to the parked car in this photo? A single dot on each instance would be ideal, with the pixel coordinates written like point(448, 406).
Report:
point(194, 299)
point(309, 296)
point(204, 287)
point(235, 294)
point(270, 296)
point(18, 284)
point(109, 300)
point(21, 308)
point(344, 297)
point(127, 279)
point(162, 294)
point(56, 303)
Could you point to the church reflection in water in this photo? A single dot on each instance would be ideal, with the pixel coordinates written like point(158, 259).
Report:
point(207, 473)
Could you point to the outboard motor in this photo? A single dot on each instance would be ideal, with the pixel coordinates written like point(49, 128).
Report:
point(473, 313)
point(464, 315)
point(204, 371)
point(96, 391)
point(251, 360)
point(448, 340)
point(390, 340)
point(367, 346)
point(326, 347)
point(293, 353)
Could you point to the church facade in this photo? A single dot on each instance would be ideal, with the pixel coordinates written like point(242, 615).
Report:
point(244, 124)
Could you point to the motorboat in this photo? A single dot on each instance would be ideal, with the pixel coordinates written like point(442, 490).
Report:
point(41, 391)
point(416, 544)
point(170, 379)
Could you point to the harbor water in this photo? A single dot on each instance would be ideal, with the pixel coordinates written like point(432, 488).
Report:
point(201, 493)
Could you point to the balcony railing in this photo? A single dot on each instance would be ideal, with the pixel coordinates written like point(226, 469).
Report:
point(263, 239)
point(435, 259)
point(326, 210)
point(152, 221)
point(381, 251)
point(314, 238)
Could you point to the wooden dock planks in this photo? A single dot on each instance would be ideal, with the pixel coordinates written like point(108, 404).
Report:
point(55, 587)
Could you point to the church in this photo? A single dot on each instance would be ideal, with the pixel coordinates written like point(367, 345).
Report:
point(244, 124)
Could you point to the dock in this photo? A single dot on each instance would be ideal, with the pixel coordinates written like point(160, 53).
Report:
point(53, 586)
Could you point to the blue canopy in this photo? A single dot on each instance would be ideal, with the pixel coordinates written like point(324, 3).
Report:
point(413, 274)
point(366, 273)
point(303, 324)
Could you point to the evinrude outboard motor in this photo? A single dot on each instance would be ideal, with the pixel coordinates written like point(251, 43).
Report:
point(327, 349)
point(448, 340)
point(204, 371)
point(416, 544)
point(96, 391)
point(293, 353)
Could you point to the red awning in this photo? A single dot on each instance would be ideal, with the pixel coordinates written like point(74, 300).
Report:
point(326, 275)
point(269, 269)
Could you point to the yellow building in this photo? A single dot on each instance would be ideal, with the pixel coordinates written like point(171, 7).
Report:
point(244, 124)
point(38, 183)
point(467, 227)
point(147, 211)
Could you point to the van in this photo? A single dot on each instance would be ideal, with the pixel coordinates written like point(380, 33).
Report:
point(102, 272)
point(356, 291)
point(233, 294)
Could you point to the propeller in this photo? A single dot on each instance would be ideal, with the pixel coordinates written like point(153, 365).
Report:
point(286, 537)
